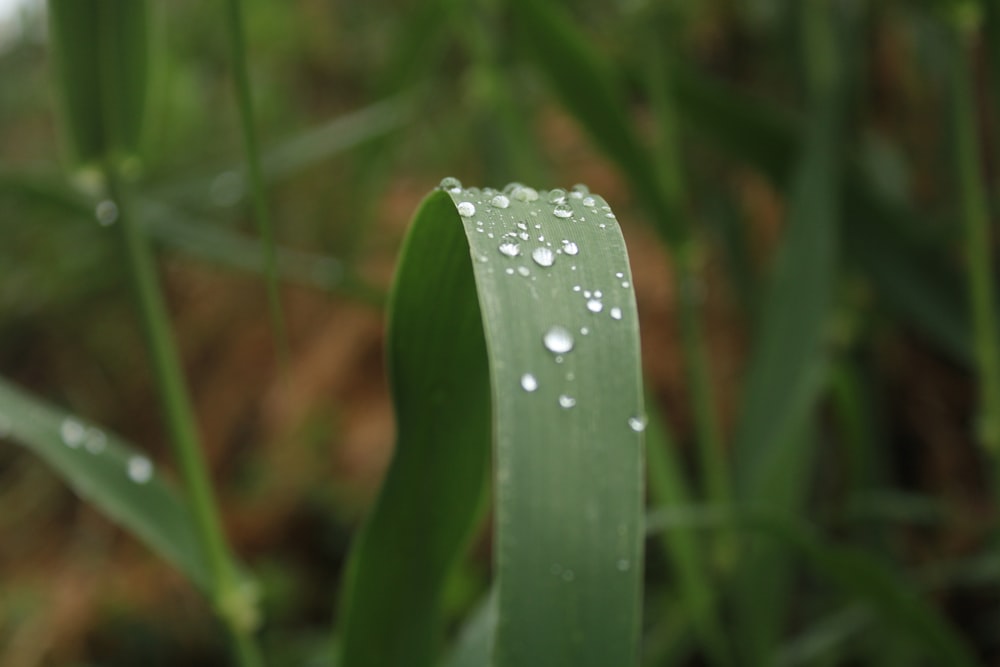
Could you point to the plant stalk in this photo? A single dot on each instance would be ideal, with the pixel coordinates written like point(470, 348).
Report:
point(978, 248)
point(241, 78)
point(227, 591)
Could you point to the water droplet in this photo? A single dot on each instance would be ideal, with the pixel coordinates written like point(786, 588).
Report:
point(558, 340)
point(140, 469)
point(637, 423)
point(587, 294)
point(510, 271)
point(106, 213)
point(598, 294)
point(589, 201)
point(523, 270)
point(509, 248)
point(500, 201)
point(566, 401)
point(543, 256)
point(576, 288)
point(523, 236)
point(450, 184)
point(524, 194)
point(625, 284)
point(623, 565)
point(568, 576)
point(609, 215)
point(528, 382)
point(466, 209)
point(616, 313)
point(72, 433)
point(595, 306)
point(580, 190)
point(562, 210)
point(511, 187)
point(557, 196)
point(584, 331)
point(96, 441)
point(570, 248)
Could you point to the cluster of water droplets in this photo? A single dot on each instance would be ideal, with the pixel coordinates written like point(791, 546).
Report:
point(75, 435)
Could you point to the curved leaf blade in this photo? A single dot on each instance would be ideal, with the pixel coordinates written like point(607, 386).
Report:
point(568, 466)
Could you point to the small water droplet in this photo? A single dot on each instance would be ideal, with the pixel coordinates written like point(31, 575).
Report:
point(96, 441)
point(598, 294)
point(528, 382)
point(616, 313)
point(140, 469)
point(570, 248)
point(523, 236)
point(557, 196)
point(595, 306)
point(623, 565)
point(619, 275)
point(72, 433)
point(558, 340)
point(500, 201)
point(580, 190)
point(587, 294)
point(510, 271)
point(523, 270)
point(543, 256)
point(625, 284)
point(576, 288)
point(637, 423)
point(584, 331)
point(509, 248)
point(106, 213)
point(523, 226)
point(511, 187)
point(562, 210)
point(466, 209)
point(450, 184)
point(589, 202)
point(566, 401)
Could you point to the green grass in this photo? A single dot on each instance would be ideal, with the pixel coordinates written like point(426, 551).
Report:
point(817, 501)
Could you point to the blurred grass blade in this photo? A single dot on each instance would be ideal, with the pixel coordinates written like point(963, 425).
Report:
point(567, 422)
point(94, 41)
point(244, 99)
point(682, 547)
point(111, 475)
point(587, 85)
point(859, 575)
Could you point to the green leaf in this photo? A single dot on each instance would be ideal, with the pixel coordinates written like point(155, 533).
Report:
point(566, 426)
point(474, 646)
point(101, 50)
point(104, 470)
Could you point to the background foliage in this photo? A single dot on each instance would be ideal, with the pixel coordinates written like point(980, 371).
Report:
point(805, 190)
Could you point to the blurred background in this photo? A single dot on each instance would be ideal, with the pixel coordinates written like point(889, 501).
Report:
point(361, 109)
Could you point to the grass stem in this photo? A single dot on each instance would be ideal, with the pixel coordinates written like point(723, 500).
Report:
point(237, 43)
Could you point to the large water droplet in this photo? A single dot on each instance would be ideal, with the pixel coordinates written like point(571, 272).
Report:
point(106, 213)
point(500, 201)
point(466, 209)
point(510, 249)
point(616, 313)
point(595, 306)
point(528, 382)
point(562, 210)
point(524, 194)
point(72, 432)
point(557, 196)
point(450, 184)
point(140, 469)
point(637, 423)
point(566, 401)
point(570, 248)
point(543, 256)
point(558, 340)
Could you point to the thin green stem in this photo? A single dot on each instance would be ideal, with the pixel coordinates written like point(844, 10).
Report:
point(227, 591)
point(978, 248)
point(237, 43)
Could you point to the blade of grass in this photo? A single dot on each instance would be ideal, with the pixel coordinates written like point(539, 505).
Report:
point(980, 271)
point(241, 78)
point(474, 646)
point(856, 573)
point(786, 365)
point(110, 474)
point(567, 463)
